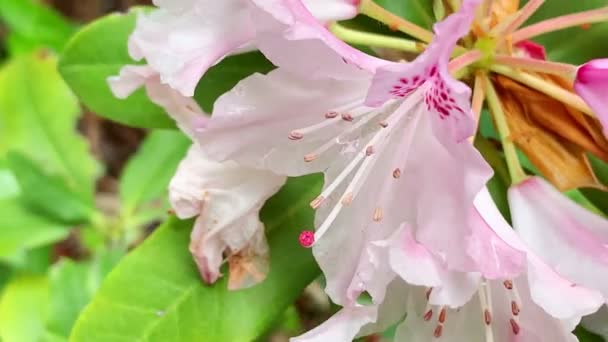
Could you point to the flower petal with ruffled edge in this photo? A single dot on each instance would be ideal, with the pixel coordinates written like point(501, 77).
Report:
point(566, 236)
point(184, 110)
point(227, 199)
point(592, 85)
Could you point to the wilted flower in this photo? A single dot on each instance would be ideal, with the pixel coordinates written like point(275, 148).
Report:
point(226, 199)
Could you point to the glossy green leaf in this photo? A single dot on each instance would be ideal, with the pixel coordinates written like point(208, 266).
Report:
point(71, 286)
point(38, 117)
point(147, 174)
point(416, 11)
point(21, 229)
point(574, 45)
point(47, 194)
point(99, 50)
point(34, 24)
point(155, 293)
point(22, 309)
point(587, 336)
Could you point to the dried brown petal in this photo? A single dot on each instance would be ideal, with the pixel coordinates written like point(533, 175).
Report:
point(551, 138)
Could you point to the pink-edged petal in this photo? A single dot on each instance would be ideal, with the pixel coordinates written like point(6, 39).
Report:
point(447, 99)
point(291, 37)
point(528, 48)
point(591, 84)
point(495, 258)
point(184, 110)
point(444, 182)
point(571, 239)
point(183, 40)
point(343, 326)
point(252, 122)
point(227, 199)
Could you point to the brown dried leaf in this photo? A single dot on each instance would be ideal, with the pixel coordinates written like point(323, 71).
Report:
point(535, 121)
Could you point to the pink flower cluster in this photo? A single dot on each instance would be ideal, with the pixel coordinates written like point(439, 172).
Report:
point(404, 215)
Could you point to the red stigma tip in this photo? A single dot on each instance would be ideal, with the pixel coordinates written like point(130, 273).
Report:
point(307, 239)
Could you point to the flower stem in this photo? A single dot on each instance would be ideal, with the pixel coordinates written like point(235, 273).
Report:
point(376, 40)
point(562, 22)
point(375, 11)
point(545, 87)
point(502, 126)
point(531, 64)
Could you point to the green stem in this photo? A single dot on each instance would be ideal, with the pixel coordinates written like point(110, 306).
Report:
point(502, 126)
point(375, 40)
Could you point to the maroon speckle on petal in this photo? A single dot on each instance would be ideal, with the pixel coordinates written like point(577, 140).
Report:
point(444, 96)
point(416, 79)
point(404, 80)
point(307, 239)
point(433, 71)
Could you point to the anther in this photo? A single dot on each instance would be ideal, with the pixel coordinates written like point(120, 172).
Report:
point(331, 115)
point(438, 331)
point(369, 150)
point(442, 315)
point(428, 293)
point(396, 173)
point(347, 117)
point(514, 308)
point(378, 214)
point(317, 202)
point(487, 317)
point(508, 284)
point(383, 124)
point(310, 157)
point(428, 315)
point(294, 135)
point(347, 199)
point(307, 239)
point(514, 326)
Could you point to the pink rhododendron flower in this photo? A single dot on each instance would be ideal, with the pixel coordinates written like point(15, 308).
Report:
point(396, 152)
point(535, 304)
point(566, 236)
point(592, 85)
point(226, 199)
point(182, 39)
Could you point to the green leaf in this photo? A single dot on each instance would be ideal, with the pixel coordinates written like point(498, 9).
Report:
point(38, 116)
point(99, 50)
point(155, 293)
point(21, 230)
point(574, 45)
point(148, 173)
point(72, 285)
point(599, 198)
point(587, 336)
point(22, 308)
point(35, 24)
point(48, 194)
point(417, 11)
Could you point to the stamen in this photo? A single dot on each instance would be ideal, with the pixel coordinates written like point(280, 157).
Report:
point(331, 115)
point(347, 199)
point(514, 326)
point(369, 150)
point(562, 69)
point(378, 214)
point(310, 157)
point(442, 315)
point(347, 117)
point(295, 135)
point(383, 124)
point(485, 299)
point(438, 331)
point(317, 202)
point(508, 284)
point(397, 173)
point(428, 293)
point(487, 317)
point(428, 315)
point(514, 308)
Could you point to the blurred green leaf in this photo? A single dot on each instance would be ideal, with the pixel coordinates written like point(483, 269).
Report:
point(587, 336)
point(574, 45)
point(71, 286)
point(417, 11)
point(38, 115)
point(20, 229)
point(48, 194)
point(23, 306)
point(155, 293)
point(99, 50)
point(32, 24)
point(598, 197)
point(147, 174)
